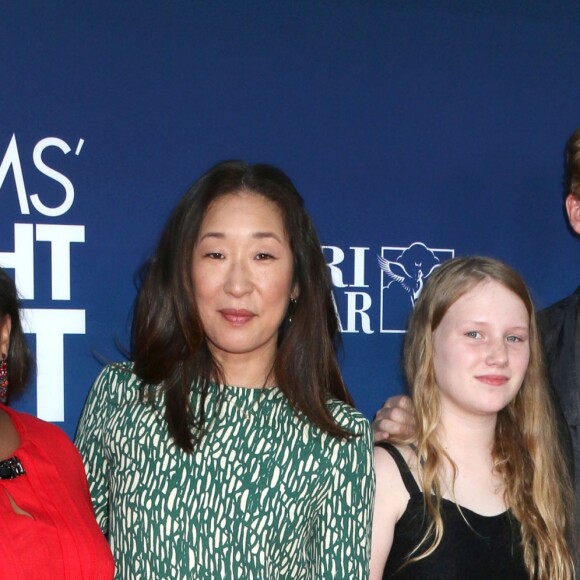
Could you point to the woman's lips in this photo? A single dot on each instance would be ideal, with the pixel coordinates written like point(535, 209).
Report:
point(237, 316)
point(493, 380)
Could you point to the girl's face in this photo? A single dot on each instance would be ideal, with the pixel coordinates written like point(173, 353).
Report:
point(481, 350)
point(242, 277)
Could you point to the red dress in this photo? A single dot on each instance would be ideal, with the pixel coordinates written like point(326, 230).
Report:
point(61, 539)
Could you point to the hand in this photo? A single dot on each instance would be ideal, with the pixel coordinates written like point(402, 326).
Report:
point(395, 417)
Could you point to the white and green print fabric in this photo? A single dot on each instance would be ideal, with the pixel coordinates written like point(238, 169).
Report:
point(265, 495)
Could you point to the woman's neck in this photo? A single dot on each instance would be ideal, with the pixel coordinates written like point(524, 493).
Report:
point(241, 371)
point(468, 441)
point(461, 434)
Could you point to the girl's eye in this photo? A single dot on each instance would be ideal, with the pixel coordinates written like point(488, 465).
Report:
point(472, 334)
point(514, 339)
point(214, 255)
point(264, 256)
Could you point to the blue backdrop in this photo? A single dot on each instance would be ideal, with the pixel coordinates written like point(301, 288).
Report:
point(414, 130)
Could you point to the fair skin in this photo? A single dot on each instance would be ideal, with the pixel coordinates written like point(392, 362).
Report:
point(480, 357)
point(396, 417)
point(242, 274)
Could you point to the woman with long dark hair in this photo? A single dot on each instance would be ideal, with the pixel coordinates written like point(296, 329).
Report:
point(229, 447)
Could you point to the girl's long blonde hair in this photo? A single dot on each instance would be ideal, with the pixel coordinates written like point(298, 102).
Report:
point(526, 452)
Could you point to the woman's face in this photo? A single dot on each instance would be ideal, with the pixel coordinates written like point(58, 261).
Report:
point(481, 350)
point(242, 277)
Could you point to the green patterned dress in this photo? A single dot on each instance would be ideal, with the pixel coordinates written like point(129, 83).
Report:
point(266, 495)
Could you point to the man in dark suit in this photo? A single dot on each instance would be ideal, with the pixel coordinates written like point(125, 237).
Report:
point(560, 324)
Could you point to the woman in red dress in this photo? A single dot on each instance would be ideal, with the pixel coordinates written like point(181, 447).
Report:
point(48, 526)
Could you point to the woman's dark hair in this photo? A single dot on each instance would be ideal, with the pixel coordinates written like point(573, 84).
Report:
point(18, 359)
point(169, 347)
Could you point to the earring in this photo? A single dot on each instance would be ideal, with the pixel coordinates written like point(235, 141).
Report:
point(291, 308)
point(3, 379)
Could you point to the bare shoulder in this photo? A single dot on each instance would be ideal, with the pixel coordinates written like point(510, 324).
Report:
point(391, 501)
point(391, 490)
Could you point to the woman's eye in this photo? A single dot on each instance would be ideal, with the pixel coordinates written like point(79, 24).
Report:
point(214, 255)
point(472, 334)
point(264, 256)
point(514, 338)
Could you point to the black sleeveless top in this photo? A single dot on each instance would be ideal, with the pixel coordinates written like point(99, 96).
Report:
point(489, 548)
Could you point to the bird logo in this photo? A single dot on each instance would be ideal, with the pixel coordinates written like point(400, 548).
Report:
point(410, 269)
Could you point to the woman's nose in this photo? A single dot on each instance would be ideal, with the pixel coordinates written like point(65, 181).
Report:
point(238, 278)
